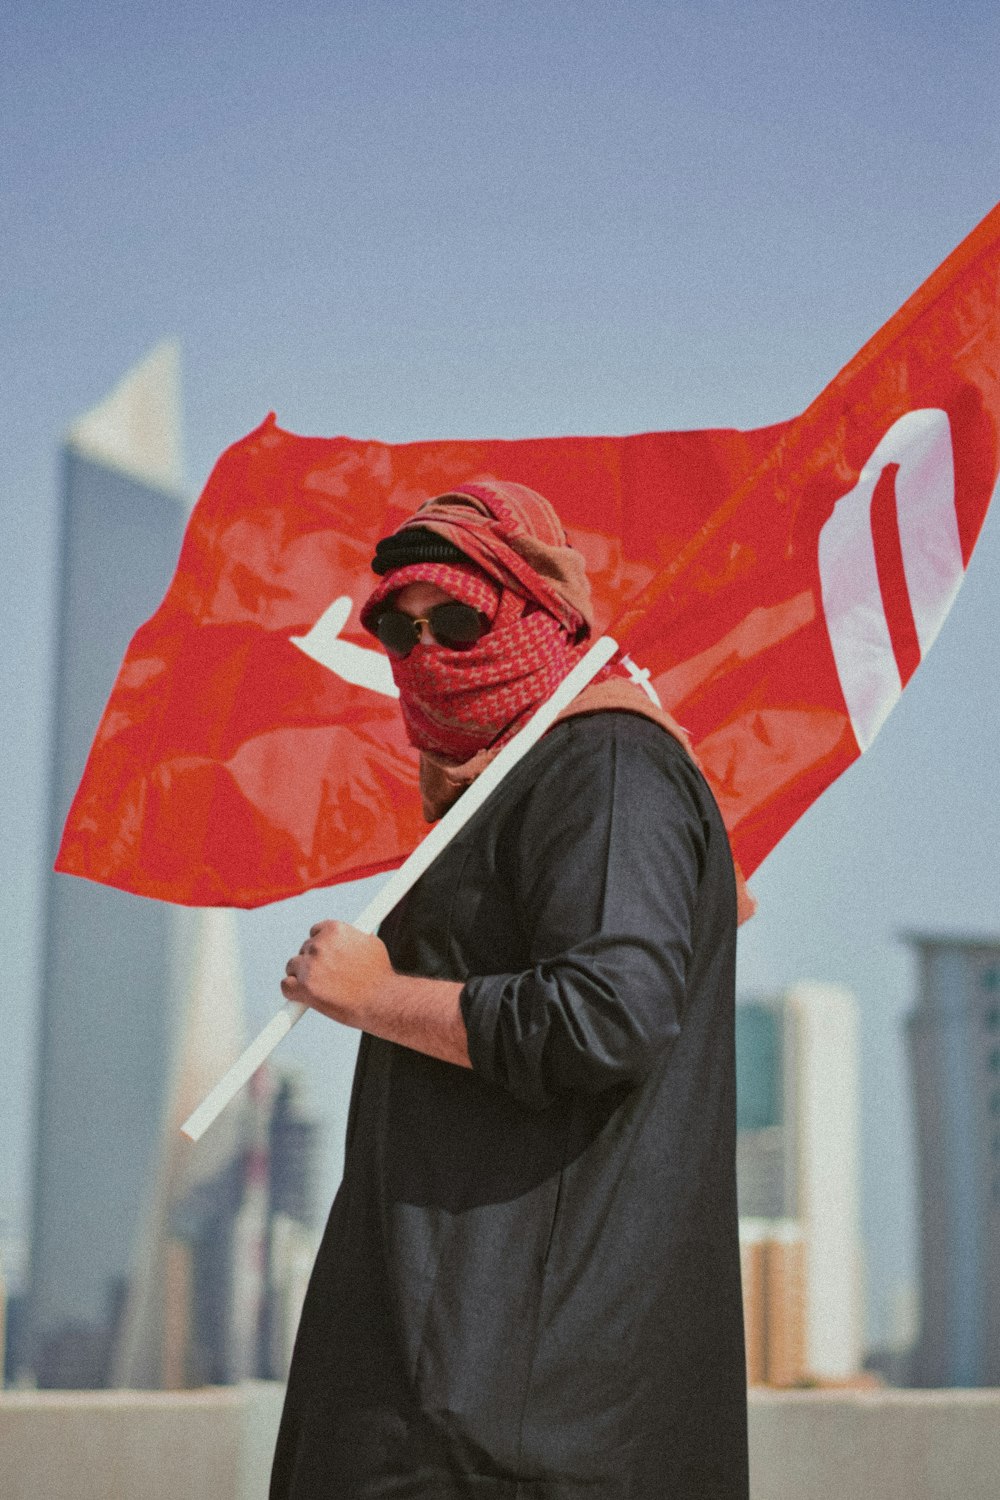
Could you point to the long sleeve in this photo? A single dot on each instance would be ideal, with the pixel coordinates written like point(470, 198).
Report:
point(604, 855)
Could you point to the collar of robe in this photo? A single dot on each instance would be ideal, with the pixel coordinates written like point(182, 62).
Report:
point(443, 782)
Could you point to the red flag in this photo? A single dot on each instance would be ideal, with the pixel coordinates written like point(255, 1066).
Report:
point(231, 765)
point(780, 585)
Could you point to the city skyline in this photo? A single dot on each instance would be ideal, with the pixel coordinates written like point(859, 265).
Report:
point(651, 219)
point(104, 425)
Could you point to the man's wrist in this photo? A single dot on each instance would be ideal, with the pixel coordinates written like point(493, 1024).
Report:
point(423, 1014)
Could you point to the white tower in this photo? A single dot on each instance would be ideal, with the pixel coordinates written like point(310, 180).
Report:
point(825, 1022)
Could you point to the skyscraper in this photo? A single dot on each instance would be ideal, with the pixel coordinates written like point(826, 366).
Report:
point(954, 1040)
point(798, 1166)
point(111, 977)
point(154, 1262)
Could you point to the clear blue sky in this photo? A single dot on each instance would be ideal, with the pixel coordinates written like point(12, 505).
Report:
point(445, 219)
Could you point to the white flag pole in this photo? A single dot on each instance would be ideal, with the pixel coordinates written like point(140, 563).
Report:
point(382, 903)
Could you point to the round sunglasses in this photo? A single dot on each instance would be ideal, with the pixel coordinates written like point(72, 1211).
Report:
point(454, 626)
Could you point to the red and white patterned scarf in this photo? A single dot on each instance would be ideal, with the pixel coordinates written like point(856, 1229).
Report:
point(456, 703)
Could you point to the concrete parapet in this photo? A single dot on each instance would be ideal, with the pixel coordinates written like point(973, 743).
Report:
point(212, 1444)
point(893, 1444)
point(216, 1444)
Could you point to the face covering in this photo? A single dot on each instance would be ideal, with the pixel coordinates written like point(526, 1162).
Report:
point(458, 702)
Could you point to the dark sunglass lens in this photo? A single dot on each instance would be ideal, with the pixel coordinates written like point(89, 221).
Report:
point(457, 625)
point(398, 633)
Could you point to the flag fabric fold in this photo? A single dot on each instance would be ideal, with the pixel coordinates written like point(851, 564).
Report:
point(778, 587)
point(832, 567)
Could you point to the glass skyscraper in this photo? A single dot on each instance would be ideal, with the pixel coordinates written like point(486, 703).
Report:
point(109, 988)
point(954, 1037)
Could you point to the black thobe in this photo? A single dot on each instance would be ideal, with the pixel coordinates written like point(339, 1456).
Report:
point(529, 1285)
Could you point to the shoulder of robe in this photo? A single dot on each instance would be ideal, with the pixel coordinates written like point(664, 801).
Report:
point(586, 738)
point(580, 754)
point(579, 757)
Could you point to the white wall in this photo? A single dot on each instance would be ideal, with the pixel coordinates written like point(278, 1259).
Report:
point(216, 1444)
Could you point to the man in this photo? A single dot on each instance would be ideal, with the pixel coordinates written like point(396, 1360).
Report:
point(529, 1283)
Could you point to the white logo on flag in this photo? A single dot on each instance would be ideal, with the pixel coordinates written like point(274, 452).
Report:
point(920, 443)
point(355, 664)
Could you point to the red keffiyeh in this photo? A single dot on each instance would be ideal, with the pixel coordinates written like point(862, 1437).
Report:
point(456, 703)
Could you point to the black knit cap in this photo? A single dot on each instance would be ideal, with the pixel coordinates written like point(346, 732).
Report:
point(414, 544)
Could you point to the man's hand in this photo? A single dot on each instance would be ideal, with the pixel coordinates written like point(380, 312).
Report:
point(347, 975)
point(339, 971)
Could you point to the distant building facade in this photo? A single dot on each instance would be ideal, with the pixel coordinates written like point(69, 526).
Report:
point(294, 1143)
point(109, 995)
point(954, 1044)
point(153, 1263)
point(241, 1247)
point(773, 1268)
point(798, 1171)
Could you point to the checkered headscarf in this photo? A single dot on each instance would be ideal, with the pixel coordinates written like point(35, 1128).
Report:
point(457, 703)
